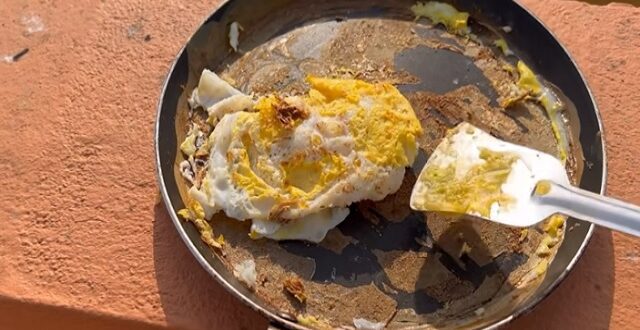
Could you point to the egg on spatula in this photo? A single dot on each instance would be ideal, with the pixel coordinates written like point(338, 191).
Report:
point(472, 172)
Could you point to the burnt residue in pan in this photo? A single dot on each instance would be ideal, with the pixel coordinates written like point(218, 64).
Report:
point(358, 264)
point(447, 71)
point(386, 263)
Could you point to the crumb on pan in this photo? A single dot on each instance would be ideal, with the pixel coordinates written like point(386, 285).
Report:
point(504, 47)
point(515, 93)
point(246, 272)
point(294, 286)
point(554, 225)
point(541, 268)
point(186, 171)
point(206, 234)
point(313, 322)
point(234, 34)
point(529, 86)
point(479, 311)
point(364, 324)
point(188, 146)
point(524, 233)
point(544, 249)
point(195, 213)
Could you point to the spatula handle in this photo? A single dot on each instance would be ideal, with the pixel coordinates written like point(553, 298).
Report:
point(597, 209)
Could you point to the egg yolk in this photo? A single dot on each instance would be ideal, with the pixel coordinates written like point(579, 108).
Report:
point(382, 122)
point(379, 120)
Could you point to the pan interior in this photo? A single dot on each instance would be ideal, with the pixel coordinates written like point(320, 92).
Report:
point(385, 263)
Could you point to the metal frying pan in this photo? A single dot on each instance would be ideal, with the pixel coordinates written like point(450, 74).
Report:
point(437, 81)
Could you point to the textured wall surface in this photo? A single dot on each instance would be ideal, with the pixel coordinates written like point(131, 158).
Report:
point(83, 243)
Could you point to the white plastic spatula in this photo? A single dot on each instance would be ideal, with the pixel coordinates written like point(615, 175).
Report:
point(474, 173)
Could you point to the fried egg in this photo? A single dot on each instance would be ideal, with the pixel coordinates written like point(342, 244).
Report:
point(292, 165)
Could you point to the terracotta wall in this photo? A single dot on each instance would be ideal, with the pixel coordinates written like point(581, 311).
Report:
point(83, 243)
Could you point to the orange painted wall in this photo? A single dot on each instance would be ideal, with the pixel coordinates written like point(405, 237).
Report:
point(83, 243)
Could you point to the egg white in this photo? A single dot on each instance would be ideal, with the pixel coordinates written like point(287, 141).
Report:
point(367, 181)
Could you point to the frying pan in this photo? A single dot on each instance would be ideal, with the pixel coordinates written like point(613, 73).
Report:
point(266, 20)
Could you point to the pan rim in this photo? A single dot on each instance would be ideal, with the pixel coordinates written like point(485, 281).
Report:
point(530, 305)
point(167, 201)
point(273, 317)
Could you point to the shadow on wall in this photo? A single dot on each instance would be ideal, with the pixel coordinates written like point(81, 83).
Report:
point(585, 298)
point(16, 314)
point(190, 297)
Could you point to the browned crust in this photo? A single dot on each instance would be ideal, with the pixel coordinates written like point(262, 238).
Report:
point(287, 114)
point(294, 287)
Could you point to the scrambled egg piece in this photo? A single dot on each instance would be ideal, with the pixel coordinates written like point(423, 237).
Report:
point(528, 80)
point(553, 230)
point(292, 165)
point(554, 225)
point(442, 13)
point(524, 233)
point(530, 83)
point(502, 44)
point(542, 188)
point(547, 243)
point(541, 268)
point(188, 146)
point(313, 322)
point(195, 213)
